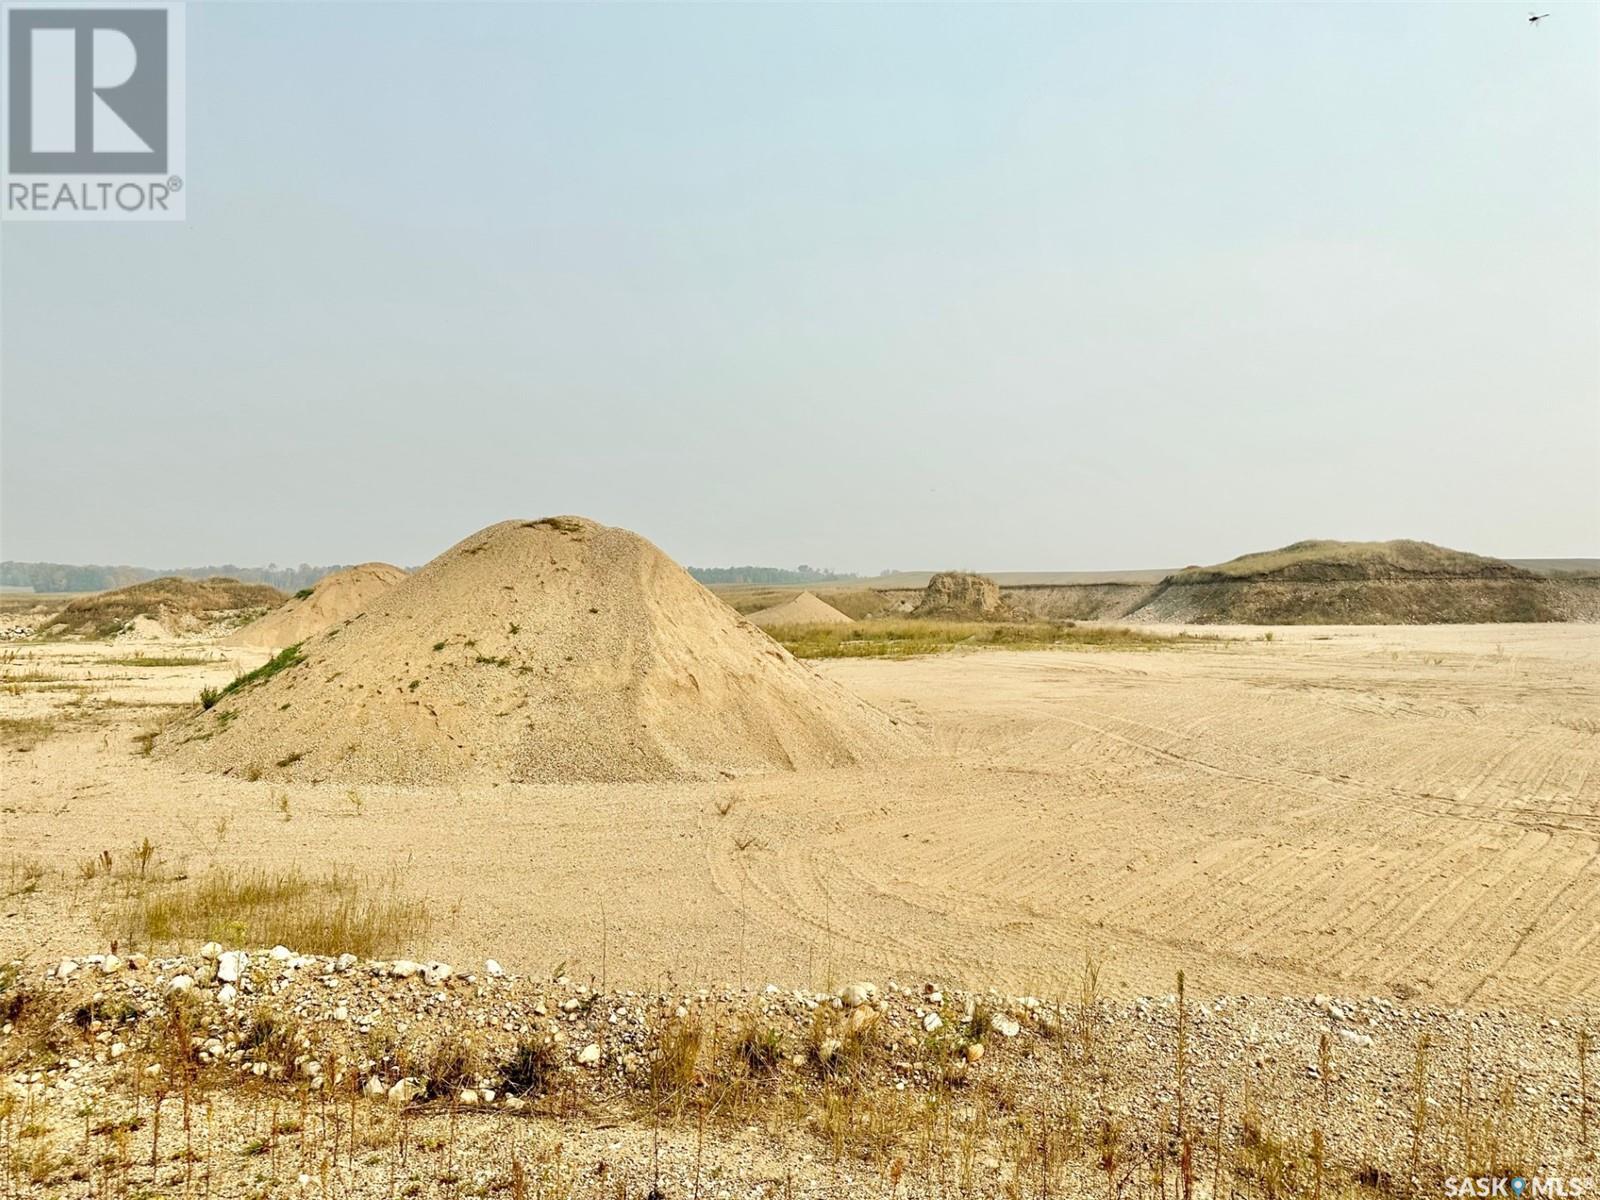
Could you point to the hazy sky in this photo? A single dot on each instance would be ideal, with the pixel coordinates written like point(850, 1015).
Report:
point(1080, 286)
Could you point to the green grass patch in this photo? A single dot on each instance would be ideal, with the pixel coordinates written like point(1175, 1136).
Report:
point(908, 638)
point(281, 661)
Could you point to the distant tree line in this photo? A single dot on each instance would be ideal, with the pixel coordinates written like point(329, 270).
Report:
point(800, 574)
point(68, 577)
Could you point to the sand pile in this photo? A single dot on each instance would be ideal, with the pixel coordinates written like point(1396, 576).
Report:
point(961, 595)
point(804, 609)
point(333, 599)
point(541, 651)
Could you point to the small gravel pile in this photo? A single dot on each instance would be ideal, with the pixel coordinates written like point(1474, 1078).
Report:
point(805, 609)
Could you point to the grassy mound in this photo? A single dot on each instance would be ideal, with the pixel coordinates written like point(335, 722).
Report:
point(177, 605)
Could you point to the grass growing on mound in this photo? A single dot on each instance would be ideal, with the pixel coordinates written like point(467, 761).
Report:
point(285, 658)
point(335, 913)
point(907, 638)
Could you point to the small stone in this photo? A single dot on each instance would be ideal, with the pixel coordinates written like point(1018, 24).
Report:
point(468, 1097)
point(974, 1051)
point(1006, 1026)
point(211, 951)
point(404, 1092)
point(230, 965)
point(281, 954)
point(493, 969)
point(436, 973)
point(374, 1087)
point(110, 965)
point(932, 1021)
point(118, 1049)
point(181, 983)
point(404, 968)
point(589, 1056)
point(66, 968)
point(227, 993)
point(856, 994)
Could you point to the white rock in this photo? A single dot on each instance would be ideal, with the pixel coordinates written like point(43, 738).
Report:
point(589, 1056)
point(974, 1051)
point(404, 968)
point(66, 968)
point(118, 1049)
point(345, 962)
point(932, 1022)
point(281, 953)
point(110, 965)
point(468, 1097)
point(230, 965)
point(436, 973)
point(374, 1087)
point(405, 1091)
point(856, 994)
point(487, 1095)
point(493, 969)
point(227, 993)
point(1006, 1026)
point(1354, 1038)
point(181, 983)
point(211, 951)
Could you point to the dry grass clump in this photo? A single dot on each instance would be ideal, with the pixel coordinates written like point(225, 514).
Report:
point(335, 913)
point(24, 733)
point(158, 660)
point(907, 638)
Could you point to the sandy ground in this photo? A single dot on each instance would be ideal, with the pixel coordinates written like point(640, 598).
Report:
point(1404, 811)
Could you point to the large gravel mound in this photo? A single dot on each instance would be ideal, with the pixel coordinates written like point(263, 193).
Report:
point(334, 598)
point(542, 651)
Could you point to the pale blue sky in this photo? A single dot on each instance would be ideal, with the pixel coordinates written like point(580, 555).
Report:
point(1077, 286)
